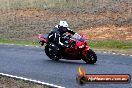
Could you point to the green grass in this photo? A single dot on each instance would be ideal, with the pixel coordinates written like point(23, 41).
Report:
point(105, 44)
point(18, 42)
point(112, 44)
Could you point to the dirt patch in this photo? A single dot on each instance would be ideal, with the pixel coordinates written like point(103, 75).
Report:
point(108, 32)
point(6, 82)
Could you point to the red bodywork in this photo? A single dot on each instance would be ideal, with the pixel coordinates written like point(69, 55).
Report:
point(72, 52)
point(42, 38)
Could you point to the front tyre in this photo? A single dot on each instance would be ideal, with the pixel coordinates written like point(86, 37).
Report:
point(91, 57)
point(51, 53)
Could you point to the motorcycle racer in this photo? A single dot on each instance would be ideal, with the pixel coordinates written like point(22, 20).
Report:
point(71, 46)
point(57, 32)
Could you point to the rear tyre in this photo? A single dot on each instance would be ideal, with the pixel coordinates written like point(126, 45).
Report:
point(91, 57)
point(51, 53)
point(47, 50)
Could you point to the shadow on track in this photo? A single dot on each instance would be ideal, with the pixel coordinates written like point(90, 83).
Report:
point(70, 62)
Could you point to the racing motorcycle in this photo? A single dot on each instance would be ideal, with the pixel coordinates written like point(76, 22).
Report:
point(78, 48)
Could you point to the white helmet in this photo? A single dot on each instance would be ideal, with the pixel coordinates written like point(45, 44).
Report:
point(63, 24)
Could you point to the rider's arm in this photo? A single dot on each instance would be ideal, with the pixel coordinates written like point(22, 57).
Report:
point(57, 39)
point(70, 31)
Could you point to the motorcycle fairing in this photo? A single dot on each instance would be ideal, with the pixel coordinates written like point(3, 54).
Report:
point(84, 52)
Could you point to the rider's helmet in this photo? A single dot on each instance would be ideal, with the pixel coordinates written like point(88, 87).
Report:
point(63, 25)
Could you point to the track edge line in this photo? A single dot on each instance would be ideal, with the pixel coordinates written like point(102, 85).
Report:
point(31, 80)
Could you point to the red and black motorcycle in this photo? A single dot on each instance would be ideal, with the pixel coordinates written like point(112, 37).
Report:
point(78, 48)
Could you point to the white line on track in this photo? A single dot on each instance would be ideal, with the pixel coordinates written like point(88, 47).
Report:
point(26, 45)
point(37, 46)
point(114, 53)
point(105, 52)
point(123, 54)
point(35, 81)
point(11, 44)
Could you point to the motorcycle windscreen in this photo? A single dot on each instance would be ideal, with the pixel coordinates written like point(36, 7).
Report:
point(78, 37)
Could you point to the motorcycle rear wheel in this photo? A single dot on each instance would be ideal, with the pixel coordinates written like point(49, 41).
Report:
point(91, 57)
point(52, 54)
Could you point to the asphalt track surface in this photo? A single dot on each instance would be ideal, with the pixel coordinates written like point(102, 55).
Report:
point(31, 62)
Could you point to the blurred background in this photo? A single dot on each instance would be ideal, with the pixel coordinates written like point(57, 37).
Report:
point(98, 19)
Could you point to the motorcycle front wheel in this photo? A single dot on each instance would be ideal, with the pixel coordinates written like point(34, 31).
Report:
point(51, 53)
point(91, 57)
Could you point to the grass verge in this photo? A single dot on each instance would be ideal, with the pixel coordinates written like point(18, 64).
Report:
point(19, 42)
point(102, 44)
point(111, 44)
